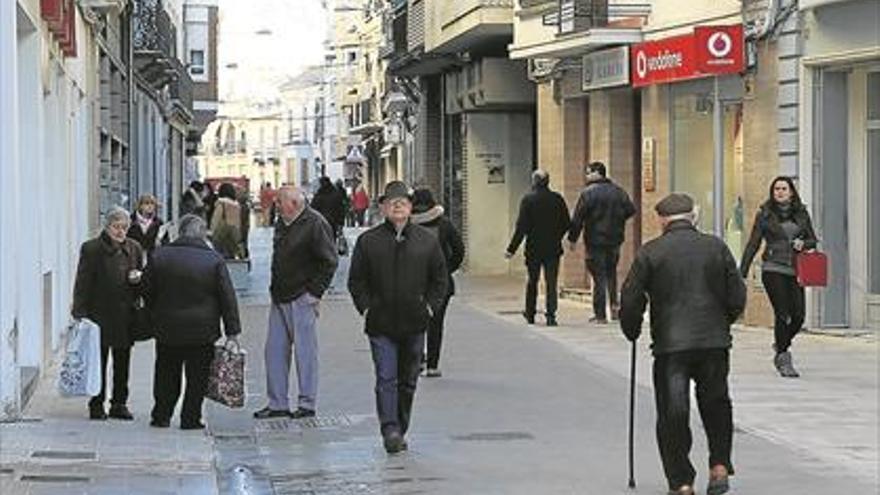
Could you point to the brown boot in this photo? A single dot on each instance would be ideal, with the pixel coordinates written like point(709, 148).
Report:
point(719, 481)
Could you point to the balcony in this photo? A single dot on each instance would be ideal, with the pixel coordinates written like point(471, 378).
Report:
point(452, 27)
point(180, 92)
point(558, 29)
point(154, 41)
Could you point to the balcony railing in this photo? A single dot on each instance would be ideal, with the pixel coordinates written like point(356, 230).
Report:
point(181, 89)
point(154, 41)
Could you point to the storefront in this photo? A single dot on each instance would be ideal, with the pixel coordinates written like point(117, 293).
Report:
point(841, 156)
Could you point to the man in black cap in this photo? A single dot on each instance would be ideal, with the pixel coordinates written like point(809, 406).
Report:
point(398, 280)
point(696, 293)
point(601, 212)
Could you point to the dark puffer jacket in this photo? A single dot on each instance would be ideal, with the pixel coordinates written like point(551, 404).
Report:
point(543, 221)
point(188, 291)
point(303, 258)
point(694, 287)
point(601, 211)
point(434, 220)
point(394, 280)
point(330, 203)
point(102, 292)
point(768, 228)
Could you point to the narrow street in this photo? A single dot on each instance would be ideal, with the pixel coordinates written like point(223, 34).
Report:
point(516, 412)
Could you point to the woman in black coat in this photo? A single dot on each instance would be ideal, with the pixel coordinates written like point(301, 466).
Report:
point(108, 280)
point(145, 223)
point(783, 224)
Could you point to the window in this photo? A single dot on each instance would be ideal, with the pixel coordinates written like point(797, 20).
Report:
point(874, 181)
point(196, 62)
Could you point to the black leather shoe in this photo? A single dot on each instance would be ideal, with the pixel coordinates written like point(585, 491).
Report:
point(551, 321)
point(530, 319)
point(394, 443)
point(302, 412)
point(160, 423)
point(119, 411)
point(97, 413)
point(198, 425)
point(266, 413)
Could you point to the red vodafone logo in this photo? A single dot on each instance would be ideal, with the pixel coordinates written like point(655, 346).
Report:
point(641, 64)
point(719, 44)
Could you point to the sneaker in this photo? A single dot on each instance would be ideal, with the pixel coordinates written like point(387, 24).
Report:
point(433, 373)
point(785, 366)
point(302, 412)
point(266, 413)
point(599, 321)
point(530, 319)
point(160, 423)
point(719, 481)
point(97, 412)
point(551, 321)
point(120, 411)
point(394, 443)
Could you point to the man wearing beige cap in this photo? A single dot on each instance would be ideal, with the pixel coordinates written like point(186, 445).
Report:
point(692, 283)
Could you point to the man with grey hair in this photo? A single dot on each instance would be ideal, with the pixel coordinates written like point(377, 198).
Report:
point(543, 221)
point(696, 293)
point(304, 260)
point(189, 292)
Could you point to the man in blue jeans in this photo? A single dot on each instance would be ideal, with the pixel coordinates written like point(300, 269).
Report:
point(398, 280)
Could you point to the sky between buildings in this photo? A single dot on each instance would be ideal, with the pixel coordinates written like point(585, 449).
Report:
point(253, 64)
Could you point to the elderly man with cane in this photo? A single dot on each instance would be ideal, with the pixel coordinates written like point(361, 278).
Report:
point(696, 293)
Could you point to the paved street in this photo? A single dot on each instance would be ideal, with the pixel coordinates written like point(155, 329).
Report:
point(519, 410)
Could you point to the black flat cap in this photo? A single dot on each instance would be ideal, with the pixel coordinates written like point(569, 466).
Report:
point(394, 190)
point(675, 204)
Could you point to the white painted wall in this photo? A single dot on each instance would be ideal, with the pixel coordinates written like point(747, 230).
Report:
point(492, 208)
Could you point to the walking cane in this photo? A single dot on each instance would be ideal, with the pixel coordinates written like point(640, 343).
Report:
point(632, 413)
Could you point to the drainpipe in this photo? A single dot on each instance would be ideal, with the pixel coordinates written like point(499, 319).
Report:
point(764, 29)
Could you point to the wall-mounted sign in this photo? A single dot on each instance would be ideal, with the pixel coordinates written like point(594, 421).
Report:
point(649, 165)
point(60, 15)
point(708, 51)
point(605, 69)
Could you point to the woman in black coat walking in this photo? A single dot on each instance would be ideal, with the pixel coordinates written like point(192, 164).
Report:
point(108, 281)
point(145, 223)
point(783, 224)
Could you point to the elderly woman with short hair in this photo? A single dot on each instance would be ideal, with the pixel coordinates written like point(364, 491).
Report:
point(108, 280)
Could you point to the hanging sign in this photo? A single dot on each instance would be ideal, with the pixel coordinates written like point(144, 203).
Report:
point(708, 51)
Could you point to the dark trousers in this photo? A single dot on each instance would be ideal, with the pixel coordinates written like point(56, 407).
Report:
point(435, 335)
point(787, 298)
point(171, 362)
point(360, 217)
point(397, 365)
point(673, 373)
point(602, 265)
point(121, 362)
point(551, 272)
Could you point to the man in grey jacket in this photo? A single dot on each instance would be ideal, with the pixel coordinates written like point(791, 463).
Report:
point(303, 262)
point(696, 293)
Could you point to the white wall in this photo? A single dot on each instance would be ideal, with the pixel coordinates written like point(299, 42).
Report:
point(841, 28)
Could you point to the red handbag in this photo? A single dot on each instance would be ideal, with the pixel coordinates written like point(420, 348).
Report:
point(812, 269)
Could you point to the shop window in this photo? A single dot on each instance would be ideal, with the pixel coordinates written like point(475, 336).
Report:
point(874, 180)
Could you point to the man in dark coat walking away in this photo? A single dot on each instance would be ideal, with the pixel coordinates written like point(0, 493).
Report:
point(542, 221)
point(696, 293)
point(303, 262)
point(330, 203)
point(428, 214)
point(188, 292)
point(601, 212)
point(398, 280)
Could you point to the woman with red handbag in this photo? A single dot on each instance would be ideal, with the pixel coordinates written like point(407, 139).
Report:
point(783, 224)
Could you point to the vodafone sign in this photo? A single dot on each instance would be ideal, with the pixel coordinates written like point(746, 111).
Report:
point(708, 51)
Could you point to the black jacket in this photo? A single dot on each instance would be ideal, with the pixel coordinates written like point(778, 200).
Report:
point(330, 203)
point(188, 291)
point(768, 227)
point(102, 292)
point(451, 243)
point(693, 285)
point(601, 211)
point(543, 221)
point(395, 280)
point(304, 257)
point(147, 239)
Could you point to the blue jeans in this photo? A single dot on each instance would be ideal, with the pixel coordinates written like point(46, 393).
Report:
point(397, 363)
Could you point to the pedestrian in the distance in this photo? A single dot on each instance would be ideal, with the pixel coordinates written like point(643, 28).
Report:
point(267, 203)
point(346, 202)
point(145, 223)
point(696, 293)
point(601, 212)
point(226, 223)
point(303, 263)
point(543, 221)
point(427, 213)
point(193, 200)
point(330, 203)
point(108, 282)
point(783, 224)
point(189, 292)
point(360, 202)
point(398, 280)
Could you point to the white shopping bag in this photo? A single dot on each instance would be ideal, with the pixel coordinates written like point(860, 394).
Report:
point(80, 374)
